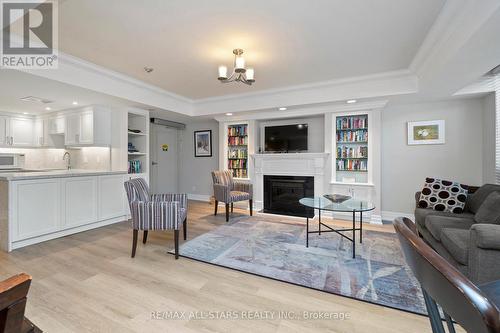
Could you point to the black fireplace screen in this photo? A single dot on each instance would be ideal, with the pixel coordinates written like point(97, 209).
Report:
point(282, 195)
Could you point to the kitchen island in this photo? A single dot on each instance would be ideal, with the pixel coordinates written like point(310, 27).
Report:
point(42, 205)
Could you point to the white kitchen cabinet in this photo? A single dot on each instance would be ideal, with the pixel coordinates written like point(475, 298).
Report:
point(56, 124)
point(43, 137)
point(37, 209)
point(90, 126)
point(21, 132)
point(72, 129)
point(80, 201)
point(4, 121)
point(111, 196)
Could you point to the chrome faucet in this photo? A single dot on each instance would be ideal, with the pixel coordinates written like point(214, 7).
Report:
point(67, 158)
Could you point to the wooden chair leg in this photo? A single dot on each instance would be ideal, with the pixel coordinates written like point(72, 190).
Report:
point(227, 212)
point(232, 208)
point(145, 237)
point(185, 228)
point(134, 241)
point(176, 240)
point(216, 205)
point(251, 207)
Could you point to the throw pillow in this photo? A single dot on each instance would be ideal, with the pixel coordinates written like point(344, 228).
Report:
point(443, 195)
point(489, 211)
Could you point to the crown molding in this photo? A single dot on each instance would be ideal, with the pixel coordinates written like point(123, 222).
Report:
point(305, 111)
point(371, 86)
point(84, 74)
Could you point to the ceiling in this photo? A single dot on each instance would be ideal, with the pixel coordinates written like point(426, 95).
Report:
point(287, 42)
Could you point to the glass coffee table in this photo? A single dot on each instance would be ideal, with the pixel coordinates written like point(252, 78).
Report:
point(349, 206)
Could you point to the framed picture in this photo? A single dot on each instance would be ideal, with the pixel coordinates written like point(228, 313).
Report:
point(430, 132)
point(203, 143)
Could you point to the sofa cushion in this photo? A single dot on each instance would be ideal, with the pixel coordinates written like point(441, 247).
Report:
point(422, 213)
point(476, 199)
point(489, 211)
point(443, 195)
point(435, 224)
point(456, 241)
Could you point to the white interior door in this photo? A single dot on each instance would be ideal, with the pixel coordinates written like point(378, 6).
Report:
point(164, 159)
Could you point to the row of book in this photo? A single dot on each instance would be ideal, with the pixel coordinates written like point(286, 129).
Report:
point(352, 152)
point(239, 173)
point(352, 136)
point(237, 140)
point(353, 122)
point(237, 153)
point(352, 165)
point(237, 130)
point(134, 166)
point(237, 164)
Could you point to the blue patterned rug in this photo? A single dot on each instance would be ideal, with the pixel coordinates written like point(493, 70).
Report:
point(277, 250)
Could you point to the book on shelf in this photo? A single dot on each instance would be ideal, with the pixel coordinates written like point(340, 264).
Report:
point(352, 122)
point(237, 140)
point(239, 173)
point(237, 130)
point(352, 165)
point(237, 153)
point(352, 136)
point(134, 166)
point(352, 152)
point(237, 164)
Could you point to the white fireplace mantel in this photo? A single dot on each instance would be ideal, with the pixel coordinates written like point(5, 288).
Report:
point(289, 164)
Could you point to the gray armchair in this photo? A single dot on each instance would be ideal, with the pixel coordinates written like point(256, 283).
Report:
point(228, 191)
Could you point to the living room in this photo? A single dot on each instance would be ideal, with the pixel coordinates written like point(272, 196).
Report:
point(275, 166)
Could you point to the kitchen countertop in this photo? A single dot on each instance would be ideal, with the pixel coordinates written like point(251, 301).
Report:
point(44, 174)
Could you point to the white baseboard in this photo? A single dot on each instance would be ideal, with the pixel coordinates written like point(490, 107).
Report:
point(391, 216)
point(199, 197)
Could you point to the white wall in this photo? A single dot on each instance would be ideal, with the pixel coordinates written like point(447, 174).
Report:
point(315, 131)
point(194, 172)
point(404, 167)
point(489, 138)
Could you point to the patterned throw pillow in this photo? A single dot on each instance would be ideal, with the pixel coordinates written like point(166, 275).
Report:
point(443, 195)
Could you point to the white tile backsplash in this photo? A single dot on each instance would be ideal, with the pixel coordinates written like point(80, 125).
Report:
point(90, 158)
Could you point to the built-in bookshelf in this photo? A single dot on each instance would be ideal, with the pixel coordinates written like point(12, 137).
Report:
point(138, 143)
point(237, 150)
point(352, 147)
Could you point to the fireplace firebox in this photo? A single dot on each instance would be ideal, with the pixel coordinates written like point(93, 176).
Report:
point(282, 195)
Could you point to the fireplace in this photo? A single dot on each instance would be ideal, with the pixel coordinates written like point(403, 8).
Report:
point(282, 195)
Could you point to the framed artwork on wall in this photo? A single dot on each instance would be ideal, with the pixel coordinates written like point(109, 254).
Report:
point(430, 132)
point(203, 143)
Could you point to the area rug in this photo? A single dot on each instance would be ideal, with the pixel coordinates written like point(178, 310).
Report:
point(277, 250)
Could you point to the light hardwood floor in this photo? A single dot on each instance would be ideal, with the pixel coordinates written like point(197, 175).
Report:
point(88, 283)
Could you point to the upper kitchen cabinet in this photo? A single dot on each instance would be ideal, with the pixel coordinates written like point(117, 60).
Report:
point(21, 132)
point(4, 139)
point(44, 136)
point(90, 126)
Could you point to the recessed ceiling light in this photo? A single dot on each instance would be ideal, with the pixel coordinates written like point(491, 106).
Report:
point(148, 69)
point(25, 113)
point(282, 109)
point(48, 108)
point(350, 101)
point(75, 103)
point(229, 114)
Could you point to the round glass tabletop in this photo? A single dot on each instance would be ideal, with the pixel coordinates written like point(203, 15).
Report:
point(346, 206)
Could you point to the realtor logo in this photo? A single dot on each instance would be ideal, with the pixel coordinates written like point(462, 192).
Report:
point(29, 34)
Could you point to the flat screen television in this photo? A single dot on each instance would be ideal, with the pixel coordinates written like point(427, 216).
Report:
point(287, 138)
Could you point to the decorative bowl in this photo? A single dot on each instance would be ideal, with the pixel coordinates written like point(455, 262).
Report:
point(337, 198)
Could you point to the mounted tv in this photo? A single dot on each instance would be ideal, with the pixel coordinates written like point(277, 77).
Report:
point(287, 138)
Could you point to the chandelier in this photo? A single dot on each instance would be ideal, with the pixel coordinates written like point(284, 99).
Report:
point(240, 73)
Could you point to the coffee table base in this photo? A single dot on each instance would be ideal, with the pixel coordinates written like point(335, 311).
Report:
point(339, 231)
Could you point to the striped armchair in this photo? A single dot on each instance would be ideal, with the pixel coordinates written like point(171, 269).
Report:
point(155, 212)
point(228, 191)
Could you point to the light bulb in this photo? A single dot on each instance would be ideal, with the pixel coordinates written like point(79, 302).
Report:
point(239, 64)
point(250, 74)
point(222, 72)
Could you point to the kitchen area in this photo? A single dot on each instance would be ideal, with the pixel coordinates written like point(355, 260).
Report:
point(62, 168)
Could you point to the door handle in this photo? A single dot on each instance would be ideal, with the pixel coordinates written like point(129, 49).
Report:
point(154, 163)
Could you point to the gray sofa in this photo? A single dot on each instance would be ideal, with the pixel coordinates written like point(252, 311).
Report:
point(474, 248)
